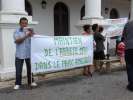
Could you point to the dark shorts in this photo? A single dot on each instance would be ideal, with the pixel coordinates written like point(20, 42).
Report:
point(99, 55)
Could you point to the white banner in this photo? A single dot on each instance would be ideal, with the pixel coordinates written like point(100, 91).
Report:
point(50, 54)
point(116, 27)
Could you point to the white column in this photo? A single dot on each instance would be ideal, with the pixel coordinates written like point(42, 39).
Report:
point(92, 9)
point(13, 7)
point(10, 14)
point(131, 13)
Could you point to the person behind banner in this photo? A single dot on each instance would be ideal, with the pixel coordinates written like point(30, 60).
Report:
point(88, 70)
point(22, 39)
point(121, 53)
point(118, 40)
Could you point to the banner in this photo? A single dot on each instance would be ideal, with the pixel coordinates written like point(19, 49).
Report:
point(115, 27)
point(50, 54)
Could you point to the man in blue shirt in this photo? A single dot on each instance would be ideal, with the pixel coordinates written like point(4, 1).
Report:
point(22, 38)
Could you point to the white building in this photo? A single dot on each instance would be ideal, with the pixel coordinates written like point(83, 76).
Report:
point(59, 17)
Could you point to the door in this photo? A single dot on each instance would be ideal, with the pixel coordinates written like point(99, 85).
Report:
point(61, 20)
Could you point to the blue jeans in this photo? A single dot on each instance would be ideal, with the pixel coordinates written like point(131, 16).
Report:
point(129, 65)
point(19, 67)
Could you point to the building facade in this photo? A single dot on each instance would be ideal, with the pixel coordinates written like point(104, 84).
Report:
point(54, 18)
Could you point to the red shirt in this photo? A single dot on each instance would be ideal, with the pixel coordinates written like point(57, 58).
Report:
point(121, 47)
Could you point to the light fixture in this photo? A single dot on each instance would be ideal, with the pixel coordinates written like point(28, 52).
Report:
point(43, 4)
point(106, 10)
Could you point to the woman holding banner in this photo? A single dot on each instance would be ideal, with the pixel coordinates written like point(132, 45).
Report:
point(87, 69)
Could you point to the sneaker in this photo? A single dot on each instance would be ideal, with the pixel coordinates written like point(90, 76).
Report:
point(16, 87)
point(33, 84)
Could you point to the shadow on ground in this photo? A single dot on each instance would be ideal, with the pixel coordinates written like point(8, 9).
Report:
point(46, 83)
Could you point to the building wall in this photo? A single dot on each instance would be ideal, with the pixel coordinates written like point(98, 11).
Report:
point(122, 6)
point(46, 19)
point(0, 47)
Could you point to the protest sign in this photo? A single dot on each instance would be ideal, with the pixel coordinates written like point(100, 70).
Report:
point(115, 27)
point(51, 54)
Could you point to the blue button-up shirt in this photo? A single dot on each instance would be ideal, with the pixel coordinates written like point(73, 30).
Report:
point(22, 49)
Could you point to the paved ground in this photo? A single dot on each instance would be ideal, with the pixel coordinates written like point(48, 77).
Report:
point(100, 87)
